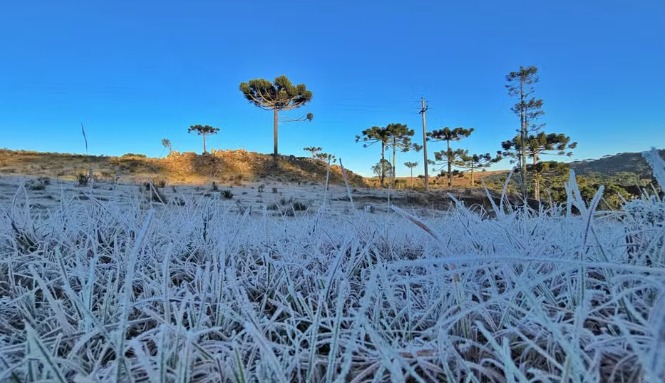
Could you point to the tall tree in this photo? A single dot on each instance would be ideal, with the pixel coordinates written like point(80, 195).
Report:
point(400, 138)
point(167, 144)
point(276, 96)
point(313, 150)
point(203, 130)
point(474, 162)
point(374, 135)
point(520, 84)
point(411, 165)
point(536, 146)
point(449, 156)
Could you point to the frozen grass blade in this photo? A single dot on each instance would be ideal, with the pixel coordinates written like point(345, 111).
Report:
point(47, 359)
point(127, 294)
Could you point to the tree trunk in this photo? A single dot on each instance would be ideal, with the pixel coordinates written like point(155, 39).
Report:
point(275, 123)
point(523, 135)
point(204, 143)
point(536, 179)
point(383, 164)
point(411, 177)
point(449, 154)
point(394, 155)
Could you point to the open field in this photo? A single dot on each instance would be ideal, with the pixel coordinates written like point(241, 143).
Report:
point(98, 284)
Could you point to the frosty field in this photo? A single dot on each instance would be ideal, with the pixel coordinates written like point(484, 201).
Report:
point(108, 290)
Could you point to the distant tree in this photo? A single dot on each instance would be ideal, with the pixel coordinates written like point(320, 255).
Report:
point(370, 137)
point(326, 157)
point(313, 150)
point(276, 96)
point(520, 85)
point(536, 146)
point(383, 168)
point(167, 144)
point(399, 138)
point(449, 156)
point(411, 165)
point(474, 162)
point(203, 130)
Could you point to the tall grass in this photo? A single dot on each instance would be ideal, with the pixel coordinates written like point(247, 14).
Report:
point(99, 291)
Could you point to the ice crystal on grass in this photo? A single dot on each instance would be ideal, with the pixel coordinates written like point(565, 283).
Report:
point(121, 292)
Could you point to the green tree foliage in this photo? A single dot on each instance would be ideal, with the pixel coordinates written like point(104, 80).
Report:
point(203, 130)
point(400, 139)
point(326, 157)
point(520, 84)
point(411, 165)
point(313, 150)
point(474, 162)
point(167, 144)
point(536, 146)
point(276, 96)
point(374, 135)
point(449, 156)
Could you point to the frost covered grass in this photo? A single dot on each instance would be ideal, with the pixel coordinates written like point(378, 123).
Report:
point(103, 292)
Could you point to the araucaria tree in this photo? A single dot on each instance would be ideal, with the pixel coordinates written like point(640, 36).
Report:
point(372, 136)
point(536, 146)
point(449, 156)
point(313, 150)
point(528, 108)
point(411, 165)
point(399, 138)
point(167, 144)
point(276, 96)
point(474, 162)
point(203, 130)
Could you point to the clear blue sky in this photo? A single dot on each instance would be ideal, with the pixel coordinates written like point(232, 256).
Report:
point(137, 71)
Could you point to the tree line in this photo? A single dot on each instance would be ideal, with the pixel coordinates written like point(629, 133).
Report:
point(525, 150)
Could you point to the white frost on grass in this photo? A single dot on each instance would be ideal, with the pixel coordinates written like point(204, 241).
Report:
point(102, 291)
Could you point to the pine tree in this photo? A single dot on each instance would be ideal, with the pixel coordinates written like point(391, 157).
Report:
point(449, 156)
point(374, 135)
point(411, 165)
point(528, 108)
point(277, 96)
point(203, 130)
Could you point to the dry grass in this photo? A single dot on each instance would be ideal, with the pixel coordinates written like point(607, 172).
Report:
point(232, 166)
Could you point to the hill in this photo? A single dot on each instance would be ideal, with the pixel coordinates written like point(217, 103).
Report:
point(612, 165)
point(230, 166)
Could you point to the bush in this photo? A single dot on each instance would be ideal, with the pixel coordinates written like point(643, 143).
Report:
point(299, 206)
point(82, 179)
point(227, 194)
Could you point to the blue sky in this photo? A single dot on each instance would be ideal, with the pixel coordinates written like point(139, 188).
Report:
point(135, 72)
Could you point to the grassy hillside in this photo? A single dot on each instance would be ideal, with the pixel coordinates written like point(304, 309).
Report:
point(231, 166)
point(612, 165)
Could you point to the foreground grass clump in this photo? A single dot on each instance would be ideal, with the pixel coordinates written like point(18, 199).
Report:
point(100, 291)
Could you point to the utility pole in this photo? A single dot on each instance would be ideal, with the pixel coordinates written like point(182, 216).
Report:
point(423, 109)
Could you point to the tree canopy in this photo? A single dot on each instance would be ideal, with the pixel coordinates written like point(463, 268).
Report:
point(449, 156)
point(203, 130)
point(278, 95)
point(374, 135)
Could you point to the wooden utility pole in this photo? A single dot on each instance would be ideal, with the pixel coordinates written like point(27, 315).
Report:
point(423, 109)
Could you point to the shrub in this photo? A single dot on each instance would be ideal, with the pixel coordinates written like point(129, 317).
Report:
point(299, 206)
point(82, 179)
point(227, 194)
